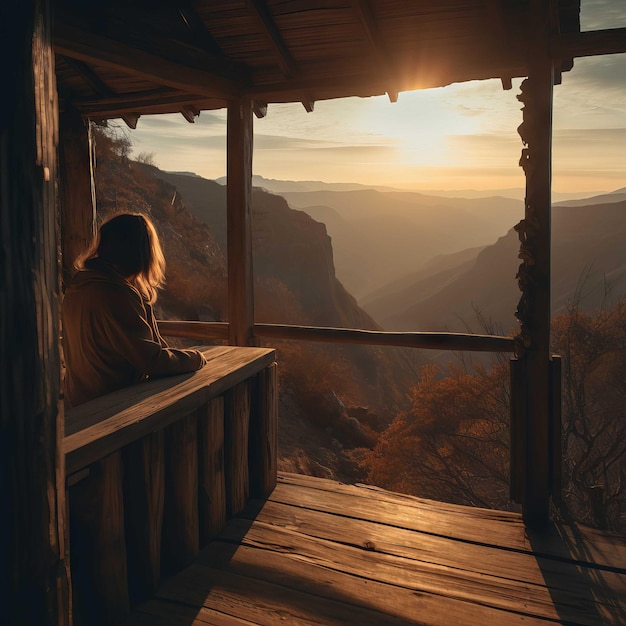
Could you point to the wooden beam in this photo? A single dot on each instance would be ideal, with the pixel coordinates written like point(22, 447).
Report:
point(363, 9)
point(259, 108)
point(265, 20)
point(34, 564)
point(90, 47)
point(590, 43)
point(430, 341)
point(77, 189)
point(239, 228)
point(534, 272)
point(190, 113)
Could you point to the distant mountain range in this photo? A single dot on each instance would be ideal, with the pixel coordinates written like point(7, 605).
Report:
point(452, 292)
point(281, 186)
point(416, 261)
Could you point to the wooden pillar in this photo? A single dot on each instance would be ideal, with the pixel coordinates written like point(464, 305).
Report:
point(239, 229)
point(144, 491)
point(263, 438)
point(212, 481)
point(99, 571)
point(33, 559)
point(77, 189)
point(534, 272)
point(181, 533)
point(236, 428)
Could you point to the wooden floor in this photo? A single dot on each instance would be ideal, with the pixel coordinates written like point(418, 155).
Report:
point(319, 552)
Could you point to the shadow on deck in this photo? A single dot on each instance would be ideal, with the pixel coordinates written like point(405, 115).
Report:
point(320, 552)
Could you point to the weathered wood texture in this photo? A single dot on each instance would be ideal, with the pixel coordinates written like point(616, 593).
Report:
point(212, 480)
point(263, 448)
point(236, 430)
point(239, 229)
point(144, 495)
point(99, 427)
point(99, 567)
point(424, 340)
point(33, 564)
point(142, 512)
point(181, 534)
point(319, 552)
point(534, 273)
point(77, 191)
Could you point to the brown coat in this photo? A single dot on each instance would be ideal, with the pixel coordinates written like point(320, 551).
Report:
point(110, 337)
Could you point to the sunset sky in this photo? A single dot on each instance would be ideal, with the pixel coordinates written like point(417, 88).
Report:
point(458, 137)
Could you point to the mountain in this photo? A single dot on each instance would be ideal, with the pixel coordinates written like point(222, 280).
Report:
point(588, 263)
point(333, 398)
point(379, 236)
point(614, 196)
point(284, 186)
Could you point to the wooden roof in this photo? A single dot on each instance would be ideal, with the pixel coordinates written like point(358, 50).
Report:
point(136, 57)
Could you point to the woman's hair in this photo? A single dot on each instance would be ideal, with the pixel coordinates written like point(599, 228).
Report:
point(130, 243)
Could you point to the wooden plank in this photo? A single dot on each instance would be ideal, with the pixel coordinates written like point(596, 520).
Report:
point(194, 330)
point(520, 583)
point(236, 430)
point(212, 479)
point(590, 43)
point(263, 439)
point(430, 341)
point(181, 533)
point(361, 503)
point(96, 428)
point(99, 573)
point(292, 591)
point(164, 613)
point(239, 230)
point(471, 524)
point(477, 560)
point(34, 561)
point(144, 494)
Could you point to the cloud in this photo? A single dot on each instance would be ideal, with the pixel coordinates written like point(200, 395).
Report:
point(599, 14)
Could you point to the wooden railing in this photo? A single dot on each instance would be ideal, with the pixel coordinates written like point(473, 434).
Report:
point(430, 341)
point(155, 470)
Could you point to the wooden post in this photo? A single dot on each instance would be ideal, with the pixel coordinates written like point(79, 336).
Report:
point(144, 490)
point(534, 273)
point(77, 189)
point(239, 229)
point(99, 573)
point(237, 420)
point(263, 438)
point(212, 487)
point(180, 526)
point(33, 555)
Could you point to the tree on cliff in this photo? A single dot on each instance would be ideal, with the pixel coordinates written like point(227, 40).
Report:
point(453, 443)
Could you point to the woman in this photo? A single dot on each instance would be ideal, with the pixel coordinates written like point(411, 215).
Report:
point(110, 336)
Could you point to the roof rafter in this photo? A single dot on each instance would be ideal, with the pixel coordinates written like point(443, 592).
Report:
point(89, 47)
point(100, 88)
point(363, 8)
point(264, 18)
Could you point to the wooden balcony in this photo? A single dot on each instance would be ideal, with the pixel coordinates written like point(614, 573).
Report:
point(178, 519)
point(321, 552)
point(155, 470)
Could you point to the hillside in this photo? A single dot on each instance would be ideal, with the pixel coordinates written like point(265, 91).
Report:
point(333, 399)
point(589, 258)
point(380, 236)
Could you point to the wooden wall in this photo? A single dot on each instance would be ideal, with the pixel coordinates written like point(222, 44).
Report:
point(33, 572)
